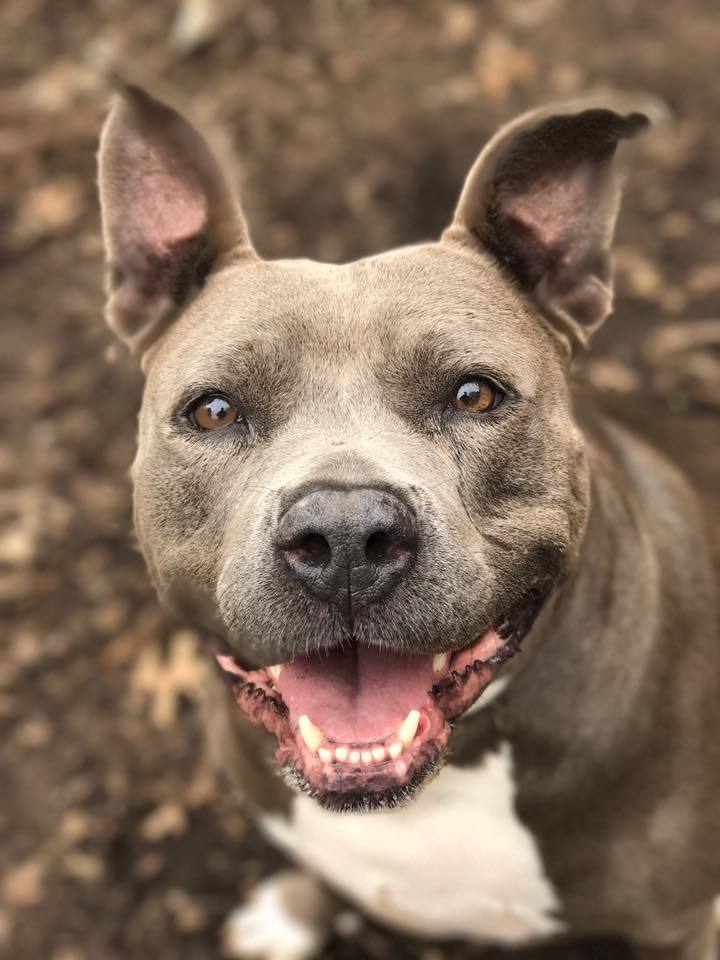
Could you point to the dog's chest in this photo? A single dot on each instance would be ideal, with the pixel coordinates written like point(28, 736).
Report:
point(456, 862)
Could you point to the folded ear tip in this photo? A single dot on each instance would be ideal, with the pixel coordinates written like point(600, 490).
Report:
point(640, 116)
point(638, 111)
point(604, 124)
point(654, 110)
point(635, 123)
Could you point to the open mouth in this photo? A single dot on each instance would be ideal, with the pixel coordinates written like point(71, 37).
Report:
point(360, 726)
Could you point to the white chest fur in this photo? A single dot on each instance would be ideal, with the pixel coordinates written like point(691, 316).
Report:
point(455, 862)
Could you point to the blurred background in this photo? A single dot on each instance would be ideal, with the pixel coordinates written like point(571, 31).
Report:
point(353, 122)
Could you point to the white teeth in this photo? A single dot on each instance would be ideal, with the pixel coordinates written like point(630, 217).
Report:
point(228, 664)
point(440, 662)
point(373, 753)
point(275, 671)
point(310, 733)
point(408, 728)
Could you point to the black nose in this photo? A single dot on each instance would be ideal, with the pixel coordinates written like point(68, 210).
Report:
point(359, 541)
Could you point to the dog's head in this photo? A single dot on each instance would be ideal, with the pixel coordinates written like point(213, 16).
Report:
point(361, 481)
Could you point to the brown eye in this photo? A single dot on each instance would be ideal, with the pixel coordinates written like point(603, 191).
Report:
point(476, 395)
point(214, 413)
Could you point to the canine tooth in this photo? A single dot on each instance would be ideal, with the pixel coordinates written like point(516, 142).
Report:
point(325, 755)
point(408, 728)
point(341, 754)
point(440, 662)
point(275, 671)
point(366, 756)
point(310, 733)
point(395, 749)
point(228, 664)
point(354, 756)
point(378, 754)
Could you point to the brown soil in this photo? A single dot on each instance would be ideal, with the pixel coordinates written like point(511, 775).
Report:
point(355, 121)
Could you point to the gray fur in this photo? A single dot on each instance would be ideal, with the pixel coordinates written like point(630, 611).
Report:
point(342, 373)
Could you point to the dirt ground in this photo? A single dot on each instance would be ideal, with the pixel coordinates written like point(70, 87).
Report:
point(354, 123)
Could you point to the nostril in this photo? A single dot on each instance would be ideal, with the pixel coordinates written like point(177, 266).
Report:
point(312, 549)
point(382, 547)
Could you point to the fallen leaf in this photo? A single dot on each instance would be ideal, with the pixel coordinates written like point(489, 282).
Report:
point(23, 884)
point(167, 820)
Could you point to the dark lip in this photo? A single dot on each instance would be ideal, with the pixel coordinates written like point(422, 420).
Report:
point(342, 787)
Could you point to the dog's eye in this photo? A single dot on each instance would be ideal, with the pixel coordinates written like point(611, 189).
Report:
point(476, 395)
point(213, 413)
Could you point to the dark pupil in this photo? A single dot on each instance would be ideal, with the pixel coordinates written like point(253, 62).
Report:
point(469, 393)
point(217, 408)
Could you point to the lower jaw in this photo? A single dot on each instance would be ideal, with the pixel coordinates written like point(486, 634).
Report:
point(360, 790)
point(351, 776)
point(363, 782)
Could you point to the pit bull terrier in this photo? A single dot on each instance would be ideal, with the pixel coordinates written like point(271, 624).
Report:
point(469, 672)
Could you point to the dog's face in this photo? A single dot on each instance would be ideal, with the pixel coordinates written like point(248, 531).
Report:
point(361, 481)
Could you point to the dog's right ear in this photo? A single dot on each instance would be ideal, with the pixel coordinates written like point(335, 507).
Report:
point(169, 216)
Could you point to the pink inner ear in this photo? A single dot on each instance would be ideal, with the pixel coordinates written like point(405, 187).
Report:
point(166, 203)
point(561, 212)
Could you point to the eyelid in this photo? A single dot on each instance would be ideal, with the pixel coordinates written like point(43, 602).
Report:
point(497, 381)
point(195, 395)
point(494, 382)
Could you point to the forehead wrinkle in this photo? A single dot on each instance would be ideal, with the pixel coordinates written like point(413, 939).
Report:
point(254, 331)
point(308, 320)
point(426, 304)
point(458, 343)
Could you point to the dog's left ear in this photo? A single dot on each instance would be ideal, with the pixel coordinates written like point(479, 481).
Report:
point(543, 197)
point(169, 215)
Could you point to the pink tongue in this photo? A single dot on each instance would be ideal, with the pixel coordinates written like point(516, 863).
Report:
point(356, 695)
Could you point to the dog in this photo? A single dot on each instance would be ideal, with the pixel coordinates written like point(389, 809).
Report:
point(472, 627)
